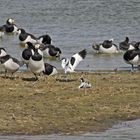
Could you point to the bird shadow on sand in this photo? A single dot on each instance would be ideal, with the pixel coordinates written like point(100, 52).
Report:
point(9, 77)
point(29, 79)
point(65, 79)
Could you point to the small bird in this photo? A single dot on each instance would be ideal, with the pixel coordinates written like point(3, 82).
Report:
point(10, 26)
point(50, 50)
point(70, 65)
point(132, 57)
point(10, 64)
point(126, 45)
point(36, 63)
point(49, 69)
point(108, 46)
point(25, 37)
point(44, 39)
point(84, 84)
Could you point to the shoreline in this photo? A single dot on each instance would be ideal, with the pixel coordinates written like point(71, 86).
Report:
point(125, 129)
point(48, 106)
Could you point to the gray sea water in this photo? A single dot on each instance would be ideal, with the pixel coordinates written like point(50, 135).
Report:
point(73, 26)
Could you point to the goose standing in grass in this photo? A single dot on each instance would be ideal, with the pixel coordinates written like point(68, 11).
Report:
point(70, 65)
point(126, 45)
point(25, 37)
point(10, 26)
point(36, 62)
point(10, 64)
point(108, 46)
point(132, 57)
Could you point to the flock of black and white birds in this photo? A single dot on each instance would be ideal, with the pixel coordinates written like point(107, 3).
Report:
point(130, 50)
point(36, 48)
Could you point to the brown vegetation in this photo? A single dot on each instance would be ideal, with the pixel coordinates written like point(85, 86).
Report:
point(49, 106)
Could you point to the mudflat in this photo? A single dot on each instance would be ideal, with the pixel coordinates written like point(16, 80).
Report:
point(52, 105)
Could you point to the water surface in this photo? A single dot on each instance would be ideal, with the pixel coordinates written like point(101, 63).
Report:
point(129, 130)
point(74, 25)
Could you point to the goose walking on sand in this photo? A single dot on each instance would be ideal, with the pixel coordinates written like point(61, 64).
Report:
point(132, 57)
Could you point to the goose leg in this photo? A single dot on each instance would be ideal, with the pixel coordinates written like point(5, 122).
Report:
point(5, 73)
point(36, 78)
point(132, 70)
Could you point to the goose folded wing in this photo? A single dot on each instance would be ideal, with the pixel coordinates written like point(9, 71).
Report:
point(76, 59)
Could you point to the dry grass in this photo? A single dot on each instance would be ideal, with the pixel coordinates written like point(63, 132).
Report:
point(48, 106)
